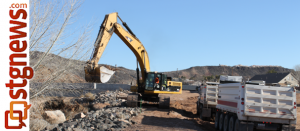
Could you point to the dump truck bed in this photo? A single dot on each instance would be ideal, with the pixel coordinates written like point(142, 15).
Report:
point(259, 103)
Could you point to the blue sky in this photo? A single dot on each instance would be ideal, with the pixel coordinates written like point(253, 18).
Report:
point(182, 34)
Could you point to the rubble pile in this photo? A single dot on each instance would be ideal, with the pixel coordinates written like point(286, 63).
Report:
point(114, 116)
point(109, 119)
point(111, 98)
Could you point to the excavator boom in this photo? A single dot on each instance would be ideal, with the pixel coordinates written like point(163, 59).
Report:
point(94, 73)
point(147, 88)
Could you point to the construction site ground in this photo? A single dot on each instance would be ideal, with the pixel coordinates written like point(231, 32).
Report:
point(182, 115)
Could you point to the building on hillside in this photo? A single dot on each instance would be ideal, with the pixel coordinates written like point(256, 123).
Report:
point(277, 79)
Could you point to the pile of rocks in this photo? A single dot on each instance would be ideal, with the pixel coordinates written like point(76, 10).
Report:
point(115, 116)
point(111, 98)
point(109, 119)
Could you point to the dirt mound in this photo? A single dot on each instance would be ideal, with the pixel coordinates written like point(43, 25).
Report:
point(70, 110)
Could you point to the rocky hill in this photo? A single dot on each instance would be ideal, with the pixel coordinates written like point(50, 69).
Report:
point(198, 72)
point(74, 73)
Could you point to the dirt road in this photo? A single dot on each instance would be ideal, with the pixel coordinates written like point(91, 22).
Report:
point(181, 116)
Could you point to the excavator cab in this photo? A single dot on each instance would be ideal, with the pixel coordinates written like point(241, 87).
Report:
point(150, 81)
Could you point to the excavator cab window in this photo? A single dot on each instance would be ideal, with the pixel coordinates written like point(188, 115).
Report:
point(150, 80)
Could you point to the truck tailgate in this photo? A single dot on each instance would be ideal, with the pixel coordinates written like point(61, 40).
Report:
point(271, 102)
point(212, 95)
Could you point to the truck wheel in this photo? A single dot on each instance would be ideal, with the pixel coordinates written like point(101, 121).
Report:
point(226, 121)
point(164, 102)
point(132, 100)
point(217, 120)
point(231, 123)
point(221, 121)
point(237, 125)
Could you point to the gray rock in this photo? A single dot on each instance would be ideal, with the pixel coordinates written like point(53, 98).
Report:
point(98, 124)
point(82, 124)
point(105, 126)
point(121, 124)
point(107, 121)
point(70, 124)
point(51, 127)
point(77, 129)
point(126, 116)
point(68, 129)
point(112, 116)
point(57, 129)
point(94, 115)
point(98, 120)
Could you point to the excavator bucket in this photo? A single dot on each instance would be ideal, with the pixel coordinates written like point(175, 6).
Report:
point(99, 75)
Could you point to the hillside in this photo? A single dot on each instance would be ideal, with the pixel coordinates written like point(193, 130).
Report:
point(74, 72)
point(197, 73)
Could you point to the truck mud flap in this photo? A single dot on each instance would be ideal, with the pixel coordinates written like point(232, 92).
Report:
point(244, 126)
point(287, 128)
point(206, 112)
point(266, 126)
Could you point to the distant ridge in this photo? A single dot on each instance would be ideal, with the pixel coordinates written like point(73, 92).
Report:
point(75, 74)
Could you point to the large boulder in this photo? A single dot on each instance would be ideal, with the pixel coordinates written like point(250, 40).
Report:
point(54, 117)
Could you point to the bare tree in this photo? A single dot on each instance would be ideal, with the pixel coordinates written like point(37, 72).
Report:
point(51, 33)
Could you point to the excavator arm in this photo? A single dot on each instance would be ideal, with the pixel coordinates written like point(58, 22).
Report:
point(94, 73)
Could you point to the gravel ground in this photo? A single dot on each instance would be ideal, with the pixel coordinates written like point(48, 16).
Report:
point(113, 116)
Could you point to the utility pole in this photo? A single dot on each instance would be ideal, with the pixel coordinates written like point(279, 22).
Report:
point(115, 73)
point(177, 73)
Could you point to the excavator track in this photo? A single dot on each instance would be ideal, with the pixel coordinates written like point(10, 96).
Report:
point(164, 102)
point(132, 100)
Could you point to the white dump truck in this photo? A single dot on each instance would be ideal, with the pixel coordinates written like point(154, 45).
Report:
point(207, 100)
point(244, 106)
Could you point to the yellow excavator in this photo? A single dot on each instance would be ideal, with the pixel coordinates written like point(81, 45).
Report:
point(152, 84)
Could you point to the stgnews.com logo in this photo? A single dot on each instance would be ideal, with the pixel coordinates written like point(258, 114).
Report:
point(16, 112)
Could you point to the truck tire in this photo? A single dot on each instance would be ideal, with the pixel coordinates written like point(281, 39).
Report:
point(226, 122)
point(221, 121)
point(237, 124)
point(231, 123)
point(217, 120)
point(132, 100)
point(164, 102)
